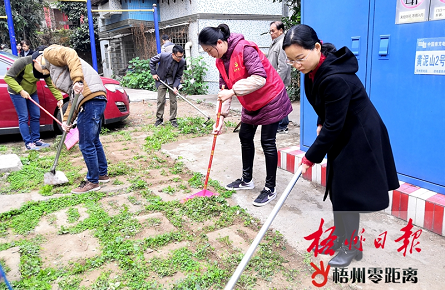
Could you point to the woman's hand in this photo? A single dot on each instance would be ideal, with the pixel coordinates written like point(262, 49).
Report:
point(305, 164)
point(304, 168)
point(218, 130)
point(24, 94)
point(224, 95)
point(60, 104)
point(319, 129)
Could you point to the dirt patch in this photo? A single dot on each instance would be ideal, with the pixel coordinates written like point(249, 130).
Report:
point(227, 239)
point(164, 252)
point(90, 277)
point(61, 249)
point(153, 225)
point(11, 257)
point(10, 237)
point(52, 223)
point(115, 204)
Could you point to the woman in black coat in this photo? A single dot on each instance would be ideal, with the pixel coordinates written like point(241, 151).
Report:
point(360, 169)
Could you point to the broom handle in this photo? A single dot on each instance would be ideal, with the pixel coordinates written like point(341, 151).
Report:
point(213, 145)
point(59, 149)
point(231, 284)
point(49, 114)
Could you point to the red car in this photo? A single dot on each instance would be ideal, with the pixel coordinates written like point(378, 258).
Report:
point(117, 109)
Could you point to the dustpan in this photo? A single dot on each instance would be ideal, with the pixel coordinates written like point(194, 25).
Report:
point(72, 137)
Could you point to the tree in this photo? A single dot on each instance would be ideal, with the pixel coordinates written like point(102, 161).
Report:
point(80, 34)
point(294, 18)
point(27, 17)
point(294, 12)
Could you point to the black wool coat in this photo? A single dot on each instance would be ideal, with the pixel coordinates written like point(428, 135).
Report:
point(361, 168)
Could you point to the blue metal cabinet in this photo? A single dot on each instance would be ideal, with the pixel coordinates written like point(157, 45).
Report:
point(411, 105)
point(342, 23)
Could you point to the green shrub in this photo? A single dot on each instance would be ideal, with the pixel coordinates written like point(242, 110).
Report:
point(293, 89)
point(138, 75)
point(193, 78)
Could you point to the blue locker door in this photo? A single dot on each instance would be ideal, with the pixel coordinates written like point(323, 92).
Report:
point(343, 23)
point(412, 106)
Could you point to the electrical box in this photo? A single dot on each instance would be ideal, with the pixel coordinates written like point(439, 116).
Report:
point(400, 48)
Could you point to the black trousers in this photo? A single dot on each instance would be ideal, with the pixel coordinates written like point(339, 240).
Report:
point(268, 138)
point(346, 225)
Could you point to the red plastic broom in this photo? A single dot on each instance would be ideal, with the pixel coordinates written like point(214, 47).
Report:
point(205, 192)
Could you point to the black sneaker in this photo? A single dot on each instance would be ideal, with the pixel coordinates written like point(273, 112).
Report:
point(265, 197)
point(174, 123)
point(240, 184)
point(158, 122)
point(283, 131)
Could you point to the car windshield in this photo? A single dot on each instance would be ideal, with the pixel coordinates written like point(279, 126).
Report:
point(9, 55)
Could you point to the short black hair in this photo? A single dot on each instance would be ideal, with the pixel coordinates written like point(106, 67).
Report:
point(25, 41)
point(177, 48)
point(278, 24)
point(165, 37)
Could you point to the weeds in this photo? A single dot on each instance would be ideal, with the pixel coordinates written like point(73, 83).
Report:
point(120, 232)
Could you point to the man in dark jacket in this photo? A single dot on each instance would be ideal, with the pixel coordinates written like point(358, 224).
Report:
point(170, 69)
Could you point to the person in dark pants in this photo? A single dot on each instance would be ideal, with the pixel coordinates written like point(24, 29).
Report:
point(361, 168)
point(246, 73)
point(170, 69)
point(277, 58)
point(22, 78)
point(71, 74)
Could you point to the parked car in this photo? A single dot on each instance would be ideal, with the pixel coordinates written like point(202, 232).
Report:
point(117, 109)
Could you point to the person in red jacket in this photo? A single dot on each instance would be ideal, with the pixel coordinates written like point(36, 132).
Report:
point(246, 73)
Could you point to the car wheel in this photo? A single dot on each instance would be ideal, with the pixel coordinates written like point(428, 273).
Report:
point(57, 128)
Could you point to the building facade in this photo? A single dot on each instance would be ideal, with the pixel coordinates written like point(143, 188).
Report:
point(125, 35)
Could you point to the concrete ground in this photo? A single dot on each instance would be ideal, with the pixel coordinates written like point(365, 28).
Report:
point(303, 210)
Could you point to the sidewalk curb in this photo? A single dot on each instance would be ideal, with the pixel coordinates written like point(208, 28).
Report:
point(424, 207)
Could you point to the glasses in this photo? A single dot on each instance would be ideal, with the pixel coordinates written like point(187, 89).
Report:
point(298, 61)
point(178, 56)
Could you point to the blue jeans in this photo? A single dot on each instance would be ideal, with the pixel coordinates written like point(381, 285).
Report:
point(89, 125)
point(27, 110)
point(283, 123)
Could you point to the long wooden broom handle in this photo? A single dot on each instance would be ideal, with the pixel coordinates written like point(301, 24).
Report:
point(213, 145)
point(49, 114)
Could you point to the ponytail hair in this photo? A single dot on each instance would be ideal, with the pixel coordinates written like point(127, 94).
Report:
point(306, 37)
point(211, 35)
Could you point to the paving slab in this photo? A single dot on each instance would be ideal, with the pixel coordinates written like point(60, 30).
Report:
point(10, 162)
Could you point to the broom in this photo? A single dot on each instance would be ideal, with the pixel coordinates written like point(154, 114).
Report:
point(205, 192)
